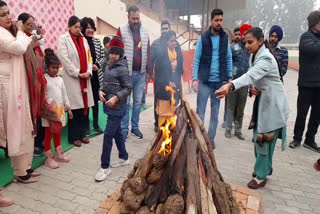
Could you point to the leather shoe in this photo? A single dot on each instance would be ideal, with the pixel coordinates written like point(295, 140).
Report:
point(85, 140)
point(77, 143)
point(312, 146)
point(253, 184)
point(239, 135)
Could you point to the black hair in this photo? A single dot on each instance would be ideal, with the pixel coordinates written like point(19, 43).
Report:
point(106, 40)
point(24, 17)
point(167, 35)
point(50, 57)
point(237, 29)
point(133, 9)
point(216, 12)
point(2, 4)
point(257, 33)
point(84, 24)
point(73, 20)
point(165, 22)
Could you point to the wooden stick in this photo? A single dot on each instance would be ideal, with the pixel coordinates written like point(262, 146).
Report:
point(178, 145)
point(203, 187)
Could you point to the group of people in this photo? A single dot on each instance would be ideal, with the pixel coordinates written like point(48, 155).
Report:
point(38, 86)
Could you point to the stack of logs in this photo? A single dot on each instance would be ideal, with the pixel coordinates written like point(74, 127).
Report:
point(185, 181)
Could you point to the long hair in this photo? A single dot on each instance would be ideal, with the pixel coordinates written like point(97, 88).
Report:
point(257, 33)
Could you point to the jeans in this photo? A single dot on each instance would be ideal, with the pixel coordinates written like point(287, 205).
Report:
point(236, 104)
point(138, 82)
point(206, 89)
point(307, 97)
point(113, 131)
point(144, 96)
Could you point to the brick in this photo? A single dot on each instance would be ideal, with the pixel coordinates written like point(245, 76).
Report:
point(253, 203)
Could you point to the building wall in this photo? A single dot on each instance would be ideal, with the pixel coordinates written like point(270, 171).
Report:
point(53, 15)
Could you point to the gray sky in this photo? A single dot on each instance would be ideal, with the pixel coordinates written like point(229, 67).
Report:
point(317, 4)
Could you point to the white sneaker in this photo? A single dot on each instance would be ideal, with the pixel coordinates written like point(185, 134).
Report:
point(102, 174)
point(120, 163)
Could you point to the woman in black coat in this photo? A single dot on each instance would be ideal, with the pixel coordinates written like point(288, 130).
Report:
point(169, 67)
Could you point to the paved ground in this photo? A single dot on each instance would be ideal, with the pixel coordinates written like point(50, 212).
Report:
point(293, 188)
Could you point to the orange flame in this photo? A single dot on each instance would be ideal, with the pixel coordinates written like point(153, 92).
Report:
point(173, 101)
point(170, 123)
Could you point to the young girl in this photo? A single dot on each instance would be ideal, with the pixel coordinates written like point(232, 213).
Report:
point(114, 94)
point(58, 102)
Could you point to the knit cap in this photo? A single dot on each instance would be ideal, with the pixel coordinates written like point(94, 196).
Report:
point(244, 28)
point(116, 46)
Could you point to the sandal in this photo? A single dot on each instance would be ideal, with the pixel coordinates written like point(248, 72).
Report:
point(25, 179)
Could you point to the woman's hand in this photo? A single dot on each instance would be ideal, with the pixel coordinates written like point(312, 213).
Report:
point(70, 114)
point(255, 91)
point(112, 101)
point(19, 25)
point(101, 96)
point(224, 90)
point(172, 85)
point(95, 67)
point(85, 75)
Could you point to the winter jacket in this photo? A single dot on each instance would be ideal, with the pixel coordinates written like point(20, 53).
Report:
point(240, 60)
point(164, 74)
point(309, 59)
point(273, 110)
point(117, 82)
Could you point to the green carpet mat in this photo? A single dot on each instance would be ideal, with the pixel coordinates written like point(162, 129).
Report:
point(294, 58)
point(6, 172)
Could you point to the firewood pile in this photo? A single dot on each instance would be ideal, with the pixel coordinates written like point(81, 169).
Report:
point(178, 174)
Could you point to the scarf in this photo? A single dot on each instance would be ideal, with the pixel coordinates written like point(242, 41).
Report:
point(78, 42)
point(36, 49)
point(172, 54)
point(92, 49)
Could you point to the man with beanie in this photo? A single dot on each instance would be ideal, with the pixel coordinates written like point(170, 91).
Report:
point(212, 66)
point(137, 50)
point(275, 36)
point(309, 85)
point(237, 99)
point(116, 88)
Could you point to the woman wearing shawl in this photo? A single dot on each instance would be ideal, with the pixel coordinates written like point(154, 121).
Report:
point(169, 63)
point(97, 52)
point(15, 119)
point(75, 56)
point(37, 83)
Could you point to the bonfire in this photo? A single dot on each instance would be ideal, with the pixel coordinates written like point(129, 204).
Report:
point(178, 174)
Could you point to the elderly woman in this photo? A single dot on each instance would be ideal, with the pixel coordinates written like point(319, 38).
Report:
point(97, 52)
point(169, 67)
point(273, 110)
point(75, 56)
point(15, 119)
point(37, 83)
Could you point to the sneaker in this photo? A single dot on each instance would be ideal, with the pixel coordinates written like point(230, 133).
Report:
point(294, 144)
point(137, 133)
point(38, 151)
point(227, 134)
point(312, 146)
point(102, 174)
point(120, 163)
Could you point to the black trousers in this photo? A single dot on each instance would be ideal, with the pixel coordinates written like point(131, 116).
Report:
point(95, 108)
point(155, 112)
point(77, 126)
point(307, 97)
point(39, 139)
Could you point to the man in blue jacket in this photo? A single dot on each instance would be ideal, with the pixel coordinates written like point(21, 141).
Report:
point(212, 66)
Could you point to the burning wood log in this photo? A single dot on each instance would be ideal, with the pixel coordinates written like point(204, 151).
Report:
point(179, 173)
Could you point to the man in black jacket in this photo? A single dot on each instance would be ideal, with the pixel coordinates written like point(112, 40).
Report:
point(309, 85)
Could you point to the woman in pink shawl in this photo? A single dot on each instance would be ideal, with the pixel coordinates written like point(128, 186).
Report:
point(15, 117)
